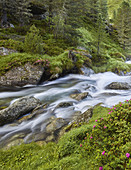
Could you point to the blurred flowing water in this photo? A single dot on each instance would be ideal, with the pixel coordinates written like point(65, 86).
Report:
point(58, 91)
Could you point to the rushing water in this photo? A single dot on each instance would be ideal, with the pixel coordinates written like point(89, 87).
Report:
point(58, 91)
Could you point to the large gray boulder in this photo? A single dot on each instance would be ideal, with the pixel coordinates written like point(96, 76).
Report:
point(22, 75)
point(118, 86)
point(19, 108)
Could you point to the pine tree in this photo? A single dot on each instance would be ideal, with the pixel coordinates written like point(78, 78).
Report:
point(18, 9)
point(100, 32)
point(92, 9)
point(22, 12)
point(123, 25)
point(103, 9)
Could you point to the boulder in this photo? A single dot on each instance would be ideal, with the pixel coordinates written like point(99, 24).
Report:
point(22, 75)
point(118, 86)
point(79, 96)
point(64, 104)
point(19, 108)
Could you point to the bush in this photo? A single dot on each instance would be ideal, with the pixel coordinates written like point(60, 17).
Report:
point(33, 41)
point(110, 138)
point(12, 44)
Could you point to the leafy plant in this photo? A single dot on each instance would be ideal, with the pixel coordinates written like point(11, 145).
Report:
point(110, 138)
point(33, 41)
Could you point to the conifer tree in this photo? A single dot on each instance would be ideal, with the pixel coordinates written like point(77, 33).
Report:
point(33, 41)
point(123, 25)
point(18, 9)
point(22, 11)
point(100, 32)
point(103, 9)
point(92, 9)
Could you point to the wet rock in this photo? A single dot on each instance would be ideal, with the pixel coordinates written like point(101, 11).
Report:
point(37, 111)
point(84, 117)
point(35, 137)
point(13, 141)
point(64, 104)
point(19, 108)
point(22, 75)
point(56, 124)
point(79, 96)
point(87, 71)
point(118, 86)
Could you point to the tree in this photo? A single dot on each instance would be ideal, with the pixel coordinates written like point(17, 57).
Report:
point(100, 32)
point(123, 25)
point(18, 9)
point(22, 11)
point(103, 9)
point(33, 41)
point(92, 9)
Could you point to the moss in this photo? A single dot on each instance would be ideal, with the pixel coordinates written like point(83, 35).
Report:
point(113, 65)
point(12, 44)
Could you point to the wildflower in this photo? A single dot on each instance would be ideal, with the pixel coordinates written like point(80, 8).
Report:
point(127, 155)
point(102, 118)
point(127, 100)
point(100, 168)
point(94, 126)
point(80, 145)
point(103, 152)
point(114, 108)
point(105, 127)
point(110, 119)
point(91, 137)
point(95, 120)
point(109, 113)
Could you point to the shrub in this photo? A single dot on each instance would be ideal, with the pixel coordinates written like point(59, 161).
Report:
point(33, 41)
point(12, 44)
point(110, 138)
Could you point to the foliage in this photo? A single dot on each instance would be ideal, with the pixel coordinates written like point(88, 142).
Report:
point(114, 65)
point(33, 41)
point(56, 64)
point(14, 60)
point(123, 25)
point(110, 138)
point(12, 44)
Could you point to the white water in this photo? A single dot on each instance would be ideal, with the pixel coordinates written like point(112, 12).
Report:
point(59, 91)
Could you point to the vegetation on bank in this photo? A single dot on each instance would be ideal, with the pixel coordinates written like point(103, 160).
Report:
point(48, 29)
point(103, 143)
